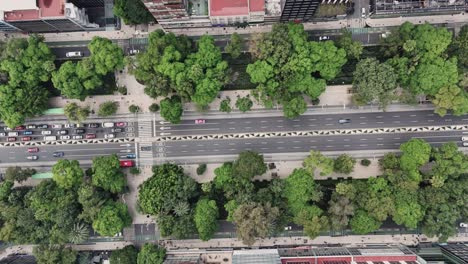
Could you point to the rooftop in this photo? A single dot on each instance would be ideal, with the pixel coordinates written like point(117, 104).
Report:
point(229, 7)
point(11, 5)
point(45, 8)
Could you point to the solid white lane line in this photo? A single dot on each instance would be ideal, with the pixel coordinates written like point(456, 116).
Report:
point(194, 129)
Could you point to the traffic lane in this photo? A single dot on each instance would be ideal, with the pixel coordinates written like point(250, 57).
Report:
point(301, 144)
point(308, 122)
point(60, 52)
point(72, 152)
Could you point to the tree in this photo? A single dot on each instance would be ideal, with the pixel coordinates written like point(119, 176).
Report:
point(365, 162)
point(344, 164)
point(52, 254)
point(363, 223)
point(451, 98)
point(28, 63)
point(225, 105)
point(248, 165)
point(108, 108)
point(432, 74)
point(416, 152)
point(75, 113)
point(18, 174)
point(234, 47)
point(105, 55)
point(78, 234)
point(151, 254)
point(374, 81)
point(340, 210)
point(67, 173)
point(126, 255)
point(459, 47)
point(112, 218)
point(107, 174)
point(390, 161)
point(154, 108)
point(318, 161)
point(235, 186)
point(134, 109)
point(408, 210)
point(68, 82)
point(449, 162)
point(201, 169)
point(285, 62)
point(254, 220)
point(300, 190)
point(167, 187)
point(244, 104)
point(91, 199)
point(294, 107)
point(353, 48)
point(206, 215)
point(132, 12)
point(172, 109)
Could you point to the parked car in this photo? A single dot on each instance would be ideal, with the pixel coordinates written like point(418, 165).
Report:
point(70, 125)
point(31, 126)
point(90, 136)
point(34, 157)
point(27, 132)
point(72, 54)
point(108, 124)
point(62, 132)
point(2, 134)
point(57, 126)
point(465, 144)
point(43, 126)
point(58, 154)
point(121, 124)
point(200, 121)
point(78, 137)
point(50, 138)
point(93, 125)
point(12, 134)
point(464, 138)
point(110, 135)
point(463, 225)
point(131, 156)
point(20, 128)
point(133, 51)
point(33, 150)
point(80, 131)
point(26, 138)
point(324, 38)
point(11, 139)
point(46, 132)
point(65, 137)
point(127, 163)
point(117, 130)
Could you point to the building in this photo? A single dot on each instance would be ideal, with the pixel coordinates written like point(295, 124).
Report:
point(298, 10)
point(456, 253)
point(372, 254)
point(43, 16)
point(383, 8)
point(229, 12)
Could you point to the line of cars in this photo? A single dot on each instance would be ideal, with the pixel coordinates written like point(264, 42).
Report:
point(63, 131)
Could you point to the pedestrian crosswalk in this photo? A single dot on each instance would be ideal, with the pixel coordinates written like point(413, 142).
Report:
point(145, 129)
point(145, 153)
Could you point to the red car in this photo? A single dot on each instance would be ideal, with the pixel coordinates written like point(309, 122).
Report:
point(200, 121)
point(20, 128)
point(126, 163)
point(90, 136)
point(11, 139)
point(26, 138)
point(121, 124)
point(33, 150)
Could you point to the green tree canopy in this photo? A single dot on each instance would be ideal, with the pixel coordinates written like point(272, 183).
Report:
point(459, 47)
point(244, 104)
point(18, 174)
point(67, 173)
point(300, 190)
point(416, 152)
point(172, 109)
point(363, 223)
point(52, 254)
point(76, 113)
point(105, 55)
point(344, 164)
point(353, 48)
point(318, 161)
point(112, 218)
point(448, 162)
point(249, 164)
point(107, 174)
point(126, 255)
point(294, 107)
point(91, 199)
point(132, 12)
point(206, 215)
point(374, 81)
point(451, 98)
point(108, 108)
point(151, 254)
point(234, 46)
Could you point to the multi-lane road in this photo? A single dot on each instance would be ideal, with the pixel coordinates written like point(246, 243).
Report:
point(267, 133)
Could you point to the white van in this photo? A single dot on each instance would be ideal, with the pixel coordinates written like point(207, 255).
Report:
point(107, 124)
point(12, 134)
point(50, 138)
point(74, 54)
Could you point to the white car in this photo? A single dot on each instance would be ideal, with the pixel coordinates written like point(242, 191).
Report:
point(324, 38)
point(110, 135)
point(64, 137)
point(46, 132)
point(464, 138)
point(463, 225)
point(78, 137)
point(71, 54)
point(2, 134)
point(108, 124)
point(57, 126)
point(465, 144)
point(70, 125)
point(134, 52)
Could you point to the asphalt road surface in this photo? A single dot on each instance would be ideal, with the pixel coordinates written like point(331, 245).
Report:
point(300, 144)
point(73, 152)
point(236, 124)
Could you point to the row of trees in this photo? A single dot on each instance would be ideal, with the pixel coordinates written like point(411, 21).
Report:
point(422, 60)
point(424, 186)
point(61, 210)
point(148, 254)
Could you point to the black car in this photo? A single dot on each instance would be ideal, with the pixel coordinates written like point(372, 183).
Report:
point(43, 126)
point(58, 154)
point(93, 125)
point(80, 131)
